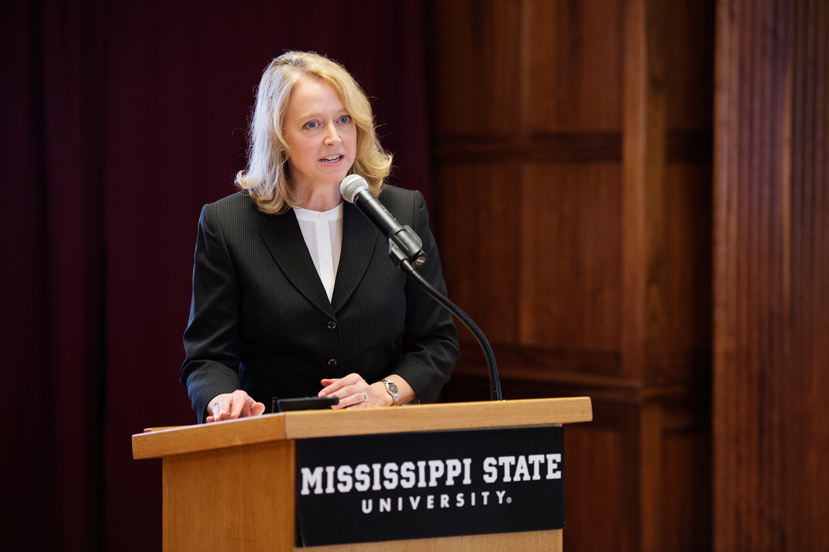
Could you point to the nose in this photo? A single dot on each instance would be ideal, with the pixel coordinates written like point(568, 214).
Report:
point(332, 137)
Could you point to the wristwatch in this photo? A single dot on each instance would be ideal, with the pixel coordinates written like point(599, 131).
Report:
point(391, 387)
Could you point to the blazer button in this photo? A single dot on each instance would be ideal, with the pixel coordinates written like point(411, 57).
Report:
point(332, 325)
point(332, 363)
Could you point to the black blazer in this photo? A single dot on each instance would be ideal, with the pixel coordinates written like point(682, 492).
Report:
point(260, 319)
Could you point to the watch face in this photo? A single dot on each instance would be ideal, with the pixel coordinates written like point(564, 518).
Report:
point(393, 387)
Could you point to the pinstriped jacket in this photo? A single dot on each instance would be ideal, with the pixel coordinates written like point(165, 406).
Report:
point(260, 319)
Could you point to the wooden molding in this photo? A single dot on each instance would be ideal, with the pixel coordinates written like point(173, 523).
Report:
point(569, 147)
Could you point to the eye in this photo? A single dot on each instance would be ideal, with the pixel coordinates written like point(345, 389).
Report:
point(344, 119)
point(311, 125)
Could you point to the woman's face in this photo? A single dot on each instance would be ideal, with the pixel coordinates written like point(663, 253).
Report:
point(321, 135)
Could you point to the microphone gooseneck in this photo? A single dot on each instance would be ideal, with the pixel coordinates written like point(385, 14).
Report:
point(494, 380)
point(406, 251)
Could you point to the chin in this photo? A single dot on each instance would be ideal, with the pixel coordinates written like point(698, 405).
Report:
point(339, 177)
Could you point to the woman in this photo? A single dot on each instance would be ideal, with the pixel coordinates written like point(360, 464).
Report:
point(293, 292)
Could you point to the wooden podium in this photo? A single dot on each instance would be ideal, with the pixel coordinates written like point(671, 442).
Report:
point(231, 486)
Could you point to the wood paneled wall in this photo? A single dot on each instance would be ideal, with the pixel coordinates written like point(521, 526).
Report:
point(772, 276)
point(572, 146)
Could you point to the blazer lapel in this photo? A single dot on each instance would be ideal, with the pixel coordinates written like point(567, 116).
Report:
point(360, 244)
point(285, 242)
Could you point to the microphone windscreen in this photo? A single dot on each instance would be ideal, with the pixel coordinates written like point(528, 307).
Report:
point(352, 184)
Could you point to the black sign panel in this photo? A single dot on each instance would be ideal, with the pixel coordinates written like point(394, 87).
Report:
point(435, 484)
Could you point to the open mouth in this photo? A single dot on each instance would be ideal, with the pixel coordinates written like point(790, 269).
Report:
point(331, 159)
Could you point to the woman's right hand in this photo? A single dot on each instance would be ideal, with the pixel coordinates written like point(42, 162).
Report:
point(230, 406)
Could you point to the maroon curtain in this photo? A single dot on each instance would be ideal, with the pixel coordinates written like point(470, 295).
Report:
point(119, 121)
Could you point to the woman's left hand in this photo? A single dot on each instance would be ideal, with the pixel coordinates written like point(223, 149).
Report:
point(354, 392)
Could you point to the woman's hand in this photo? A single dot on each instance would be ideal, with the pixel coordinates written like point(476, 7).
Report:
point(230, 406)
point(354, 392)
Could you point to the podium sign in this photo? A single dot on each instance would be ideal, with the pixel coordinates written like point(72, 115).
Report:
point(371, 488)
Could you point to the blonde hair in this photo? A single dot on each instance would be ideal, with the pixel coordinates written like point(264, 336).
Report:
point(266, 175)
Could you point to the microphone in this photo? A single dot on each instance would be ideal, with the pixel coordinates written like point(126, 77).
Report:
point(404, 243)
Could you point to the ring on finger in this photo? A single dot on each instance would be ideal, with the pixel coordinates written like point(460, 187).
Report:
point(365, 397)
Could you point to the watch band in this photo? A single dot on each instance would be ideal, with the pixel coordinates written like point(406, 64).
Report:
point(391, 387)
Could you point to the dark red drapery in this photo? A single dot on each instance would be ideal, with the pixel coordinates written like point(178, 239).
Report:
point(119, 121)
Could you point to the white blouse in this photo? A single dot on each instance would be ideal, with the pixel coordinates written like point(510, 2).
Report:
point(323, 233)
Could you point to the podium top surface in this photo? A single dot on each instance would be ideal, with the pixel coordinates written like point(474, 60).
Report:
point(361, 421)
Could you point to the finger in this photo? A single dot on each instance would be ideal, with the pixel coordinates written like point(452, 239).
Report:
point(348, 395)
point(217, 414)
point(224, 408)
point(347, 400)
point(250, 408)
point(350, 379)
point(257, 409)
point(333, 386)
point(244, 412)
point(324, 392)
point(362, 399)
point(357, 399)
point(240, 400)
point(217, 408)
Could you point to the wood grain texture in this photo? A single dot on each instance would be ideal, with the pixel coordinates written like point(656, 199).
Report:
point(748, 278)
point(571, 53)
point(478, 52)
point(638, 476)
point(540, 541)
point(436, 417)
point(570, 256)
point(235, 499)
point(771, 279)
point(688, 234)
point(479, 260)
point(644, 171)
point(361, 421)
point(183, 439)
point(808, 387)
point(575, 228)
